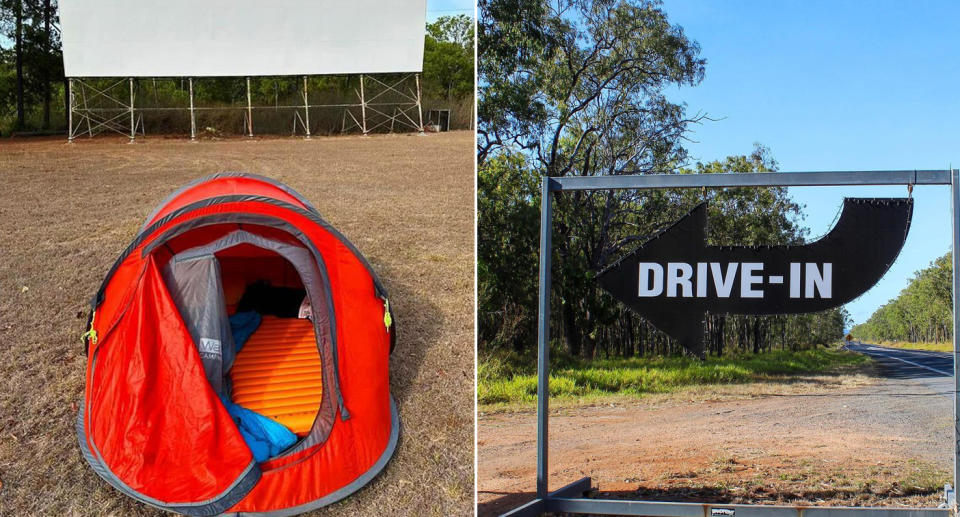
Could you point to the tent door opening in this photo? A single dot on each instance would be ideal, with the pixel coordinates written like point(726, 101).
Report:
point(277, 370)
point(257, 311)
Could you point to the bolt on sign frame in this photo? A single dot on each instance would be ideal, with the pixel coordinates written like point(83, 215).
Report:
point(569, 499)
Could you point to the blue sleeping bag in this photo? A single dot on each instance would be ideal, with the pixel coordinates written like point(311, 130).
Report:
point(265, 437)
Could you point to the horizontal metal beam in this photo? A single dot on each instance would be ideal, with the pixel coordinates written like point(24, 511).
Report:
point(534, 508)
point(573, 490)
point(752, 179)
point(537, 507)
point(664, 509)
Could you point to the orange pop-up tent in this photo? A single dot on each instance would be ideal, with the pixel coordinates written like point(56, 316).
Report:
point(162, 356)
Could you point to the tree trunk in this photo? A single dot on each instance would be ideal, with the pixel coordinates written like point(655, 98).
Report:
point(18, 14)
point(570, 334)
point(721, 334)
point(46, 68)
point(757, 335)
point(66, 102)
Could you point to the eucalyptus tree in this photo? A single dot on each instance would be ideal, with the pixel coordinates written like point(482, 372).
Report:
point(921, 312)
point(577, 87)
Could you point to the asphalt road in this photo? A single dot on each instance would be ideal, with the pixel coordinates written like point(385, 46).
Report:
point(907, 364)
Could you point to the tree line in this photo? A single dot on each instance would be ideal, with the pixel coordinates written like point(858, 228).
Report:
point(33, 88)
point(922, 312)
point(577, 88)
point(31, 64)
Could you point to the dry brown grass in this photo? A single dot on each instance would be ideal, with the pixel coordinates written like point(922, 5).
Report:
point(66, 212)
point(853, 439)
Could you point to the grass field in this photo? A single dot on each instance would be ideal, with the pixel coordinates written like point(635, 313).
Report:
point(932, 347)
point(501, 381)
point(66, 212)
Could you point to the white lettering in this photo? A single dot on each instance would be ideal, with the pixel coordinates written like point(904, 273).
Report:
point(650, 288)
point(823, 281)
point(794, 280)
point(701, 279)
point(679, 274)
point(748, 278)
point(723, 284)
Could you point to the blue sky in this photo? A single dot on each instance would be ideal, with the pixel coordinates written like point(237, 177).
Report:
point(438, 8)
point(840, 85)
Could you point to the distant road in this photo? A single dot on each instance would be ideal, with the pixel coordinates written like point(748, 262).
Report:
point(901, 363)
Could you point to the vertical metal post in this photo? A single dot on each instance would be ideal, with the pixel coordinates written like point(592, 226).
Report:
point(193, 118)
point(955, 216)
point(363, 108)
point(306, 108)
point(249, 112)
point(70, 110)
point(419, 106)
point(543, 337)
point(133, 125)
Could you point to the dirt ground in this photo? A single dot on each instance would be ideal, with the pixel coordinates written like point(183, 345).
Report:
point(848, 441)
point(66, 212)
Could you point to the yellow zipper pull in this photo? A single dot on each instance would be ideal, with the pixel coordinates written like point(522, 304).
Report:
point(387, 319)
point(92, 333)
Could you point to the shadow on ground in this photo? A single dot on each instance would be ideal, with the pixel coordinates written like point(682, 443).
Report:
point(509, 501)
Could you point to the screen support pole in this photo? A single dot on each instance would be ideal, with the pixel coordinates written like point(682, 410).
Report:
point(419, 105)
point(193, 117)
point(70, 110)
point(133, 124)
point(249, 112)
point(306, 109)
point(363, 108)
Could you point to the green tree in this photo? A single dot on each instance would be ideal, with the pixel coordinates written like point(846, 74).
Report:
point(921, 312)
point(576, 88)
point(507, 218)
point(32, 67)
point(448, 57)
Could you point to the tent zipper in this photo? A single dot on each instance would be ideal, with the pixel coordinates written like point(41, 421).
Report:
point(344, 413)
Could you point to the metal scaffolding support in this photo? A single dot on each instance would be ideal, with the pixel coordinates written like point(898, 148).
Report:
point(193, 116)
point(101, 108)
point(419, 106)
point(570, 499)
point(390, 102)
point(363, 107)
point(402, 94)
point(133, 124)
point(249, 112)
point(306, 109)
point(70, 102)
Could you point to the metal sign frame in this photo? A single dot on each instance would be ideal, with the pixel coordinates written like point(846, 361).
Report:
point(569, 499)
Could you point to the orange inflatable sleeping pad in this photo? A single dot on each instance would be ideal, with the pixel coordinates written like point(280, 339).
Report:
point(277, 373)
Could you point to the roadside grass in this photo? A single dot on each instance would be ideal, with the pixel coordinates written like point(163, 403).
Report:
point(923, 478)
point(789, 481)
point(511, 380)
point(932, 347)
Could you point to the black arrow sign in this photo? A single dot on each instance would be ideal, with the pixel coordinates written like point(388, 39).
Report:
point(674, 279)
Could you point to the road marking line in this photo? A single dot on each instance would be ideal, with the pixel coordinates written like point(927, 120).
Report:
point(941, 372)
